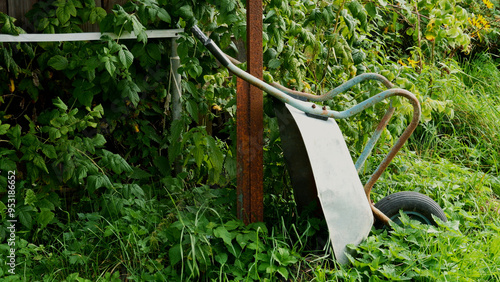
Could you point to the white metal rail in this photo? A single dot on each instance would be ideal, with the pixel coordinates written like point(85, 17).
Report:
point(176, 90)
point(85, 36)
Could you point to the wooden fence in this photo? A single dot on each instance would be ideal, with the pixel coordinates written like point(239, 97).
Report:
point(18, 8)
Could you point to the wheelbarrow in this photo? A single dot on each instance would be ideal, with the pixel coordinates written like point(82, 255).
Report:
point(321, 169)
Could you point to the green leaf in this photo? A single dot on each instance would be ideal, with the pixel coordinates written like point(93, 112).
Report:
point(358, 56)
point(274, 63)
point(453, 32)
point(115, 162)
point(349, 21)
point(126, 58)
point(77, 258)
point(371, 9)
point(8, 25)
point(85, 91)
point(174, 150)
point(221, 258)
point(383, 3)
point(15, 136)
point(40, 162)
point(216, 157)
point(24, 215)
point(142, 174)
point(199, 154)
point(221, 232)
point(186, 12)
point(7, 164)
point(192, 109)
point(109, 66)
point(176, 130)
point(95, 182)
point(58, 62)
point(98, 140)
point(54, 133)
point(81, 173)
point(49, 151)
point(114, 47)
point(45, 217)
point(5, 152)
point(109, 231)
point(28, 50)
point(355, 7)
point(83, 96)
point(4, 128)
point(106, 24)
point(97, 111)
point(153, 51)
point(30, 197)
point(194, 70)
point(97, 15)
point(43, 24)
point(65, 10)
point(59, 104)
point(190, 87)
point(139, 30)
point(3, 207)
point(46, 204)
point(227, 6)
point(283, 257)
point(283, 271)
point(135, 190)
point(164, 16)
point(9, 60)
point(130, 90)
point(175, 254)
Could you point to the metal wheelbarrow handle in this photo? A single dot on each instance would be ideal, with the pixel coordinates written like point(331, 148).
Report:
point(283, 94)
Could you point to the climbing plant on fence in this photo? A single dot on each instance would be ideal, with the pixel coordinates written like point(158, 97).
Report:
point(87, 117)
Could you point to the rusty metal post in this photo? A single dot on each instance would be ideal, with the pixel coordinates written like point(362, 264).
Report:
point(249, 123)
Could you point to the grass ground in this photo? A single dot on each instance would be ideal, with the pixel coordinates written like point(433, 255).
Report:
point(453, 159)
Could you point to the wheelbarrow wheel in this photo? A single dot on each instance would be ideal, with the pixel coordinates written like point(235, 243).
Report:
point(417, 206)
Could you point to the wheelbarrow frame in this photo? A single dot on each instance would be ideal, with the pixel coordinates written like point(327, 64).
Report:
point(304, 103)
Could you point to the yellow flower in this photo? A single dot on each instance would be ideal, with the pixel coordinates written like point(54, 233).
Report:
point(307, 86)
point(12, 86)
point(479, 22)
point(488, 4)
point(401, 62)
point(412, 63)
point(483, 22)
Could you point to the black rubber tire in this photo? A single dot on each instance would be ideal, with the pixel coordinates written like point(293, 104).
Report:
point(417, 206)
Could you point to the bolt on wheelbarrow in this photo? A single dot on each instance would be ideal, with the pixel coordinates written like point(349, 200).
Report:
point(320, 166)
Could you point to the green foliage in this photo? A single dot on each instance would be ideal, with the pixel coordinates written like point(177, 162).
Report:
point(468, 135)
point(110, 187)
point(433, 29)
point(8, 25)
point(411, 250)
point(61, 16)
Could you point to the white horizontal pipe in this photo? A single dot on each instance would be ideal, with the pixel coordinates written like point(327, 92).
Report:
point(85, 36)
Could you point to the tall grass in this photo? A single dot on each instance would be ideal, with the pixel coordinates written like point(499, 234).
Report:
point(470, 135)
point(454, 158)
